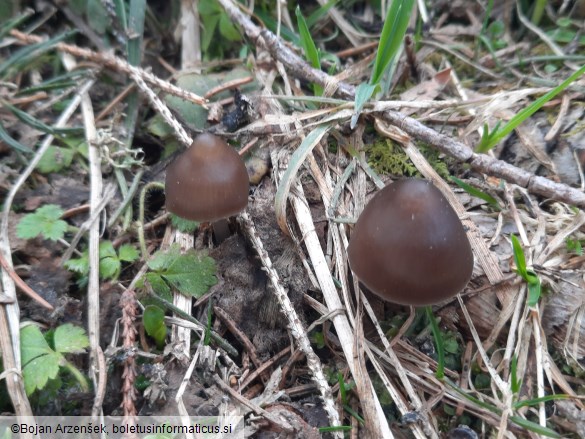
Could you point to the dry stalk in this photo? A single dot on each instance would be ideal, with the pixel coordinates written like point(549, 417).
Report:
point(93, 287)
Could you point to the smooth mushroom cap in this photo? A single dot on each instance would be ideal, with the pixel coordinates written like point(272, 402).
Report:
point(409, 246)
point(207, 182)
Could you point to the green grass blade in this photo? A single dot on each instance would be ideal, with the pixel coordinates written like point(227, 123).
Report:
point(439, 343)
point(514, 383)
point(363, 93)
point(309, 47)
point(295, 163)
point(536, 401)
point(353, 413)
point(13, 143)
point(519, 258)
point(14, 22)
point(392, 36)
point(336, 428)
point(498, 135)
point(533, 426)
point(120, 7)
point(476, 193)
point(29, 53)
point(59, 82)
point(135, 28)
point(36, 123)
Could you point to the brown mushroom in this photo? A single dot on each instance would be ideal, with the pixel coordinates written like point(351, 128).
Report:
point(207, 182)
point(409, 246)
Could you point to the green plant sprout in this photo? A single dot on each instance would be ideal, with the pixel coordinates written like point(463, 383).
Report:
point(45, 221)
point(44, 356)
point(395, 25)
point(529, 276)
point(491, 139)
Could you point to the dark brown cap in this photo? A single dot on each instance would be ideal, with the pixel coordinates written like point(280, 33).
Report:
point(409, 246)
point(207, 182)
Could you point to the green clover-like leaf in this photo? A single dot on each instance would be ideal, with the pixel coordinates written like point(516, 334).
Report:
point(44, 221)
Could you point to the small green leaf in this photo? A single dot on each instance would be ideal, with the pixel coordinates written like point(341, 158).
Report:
point(451, 346)
point(153, 320)
point(44, 221)
point(575, 246)
point(69, 338)
point(128, 253)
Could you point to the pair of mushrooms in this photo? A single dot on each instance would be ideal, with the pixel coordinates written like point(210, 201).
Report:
point(408, 246)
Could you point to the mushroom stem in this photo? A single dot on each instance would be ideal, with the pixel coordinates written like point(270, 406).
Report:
point(221, 230)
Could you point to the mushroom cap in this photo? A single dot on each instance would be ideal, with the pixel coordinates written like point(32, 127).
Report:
point(409, 246)
point(207, 182)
